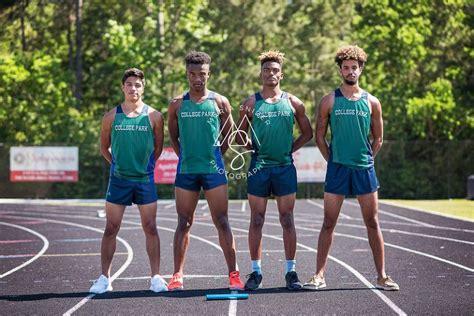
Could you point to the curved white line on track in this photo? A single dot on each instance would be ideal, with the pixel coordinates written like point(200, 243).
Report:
point(385, 299)
point(232, 303)
point(113, 277)
point(312, 230)
point(386, 244)
point(41, 252)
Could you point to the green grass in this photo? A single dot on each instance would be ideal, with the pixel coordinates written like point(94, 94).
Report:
point(455, 207)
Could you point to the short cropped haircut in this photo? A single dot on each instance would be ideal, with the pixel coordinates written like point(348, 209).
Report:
point(133, 72)
point(273, 56)
point(197, 58)
point(353, 52)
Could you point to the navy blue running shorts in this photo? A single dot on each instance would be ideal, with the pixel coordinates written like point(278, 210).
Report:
point(343, 180)
point(277, 180)
point(125, 192)
point(194, 182)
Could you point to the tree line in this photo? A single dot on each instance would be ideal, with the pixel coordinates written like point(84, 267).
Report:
point(61, 62)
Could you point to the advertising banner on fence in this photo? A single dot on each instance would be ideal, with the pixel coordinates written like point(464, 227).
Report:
point(310, 165)
point(44, 164)
point(165, 169)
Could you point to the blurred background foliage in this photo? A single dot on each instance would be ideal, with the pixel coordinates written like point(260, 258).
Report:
point(61, 62)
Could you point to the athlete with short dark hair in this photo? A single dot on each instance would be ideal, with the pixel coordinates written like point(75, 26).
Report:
point(131, 140)
point(195, 122)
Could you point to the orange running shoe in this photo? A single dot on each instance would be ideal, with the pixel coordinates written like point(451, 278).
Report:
point(234, 281)
point(176, 282)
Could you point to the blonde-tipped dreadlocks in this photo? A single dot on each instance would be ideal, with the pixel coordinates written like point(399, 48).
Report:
point(272, 55)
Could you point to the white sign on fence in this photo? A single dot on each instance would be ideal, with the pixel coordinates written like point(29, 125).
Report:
point(310, 165)
point(44, 164)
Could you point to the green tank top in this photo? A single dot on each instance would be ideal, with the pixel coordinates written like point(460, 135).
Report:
point(132, 146)
point(199, 129)
point(350, 123)
point(272, 135)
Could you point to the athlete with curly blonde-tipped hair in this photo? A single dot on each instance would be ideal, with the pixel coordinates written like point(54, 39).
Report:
point(271, 114)
point(352, 115)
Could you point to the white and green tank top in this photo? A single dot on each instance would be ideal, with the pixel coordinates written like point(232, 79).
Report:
point(350, 123)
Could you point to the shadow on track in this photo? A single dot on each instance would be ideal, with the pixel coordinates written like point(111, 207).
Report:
point(146, 293)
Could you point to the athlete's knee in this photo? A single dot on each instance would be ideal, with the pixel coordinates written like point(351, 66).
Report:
point(286, 221)
point(149, 228)
point(222, 222)
point(329, 223)
point(257, 221)
point(372, 222)
point(185, 222)
point(111, 229)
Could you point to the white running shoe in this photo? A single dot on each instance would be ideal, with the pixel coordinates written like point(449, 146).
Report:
point(158, 284)
point(387, 284)
point(315, 283)
point(101, 285)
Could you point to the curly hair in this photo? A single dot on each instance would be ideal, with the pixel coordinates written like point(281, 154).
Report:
point(353, 52)
point(133, 72)
point(197, 58)
point(272, 55)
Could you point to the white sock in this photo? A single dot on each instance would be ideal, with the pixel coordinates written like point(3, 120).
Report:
point(290, 265)
point(257, 266)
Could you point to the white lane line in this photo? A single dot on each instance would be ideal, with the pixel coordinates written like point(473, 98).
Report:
point(204, 207)
point(386, 244)
point(427, 211)
point(243, 206)
point(170, 205)
point(116, 274)
point(390, 230)
point(233, 305)
point(322, 207)
point(86, 299)
point(42, 251)
point(414, 251)
point(415, 222)
point(113, 277)
point(385, 299)
point(395, 215)
point(60, 255)
point(428, 236)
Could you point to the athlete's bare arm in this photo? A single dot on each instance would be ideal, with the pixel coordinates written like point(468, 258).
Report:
point(303, 123)
point(245, 117)
point(226, 120)
point(377, 124)
point(322, 123)
point(173, 129)
point(105, 134)
point(156, 119)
